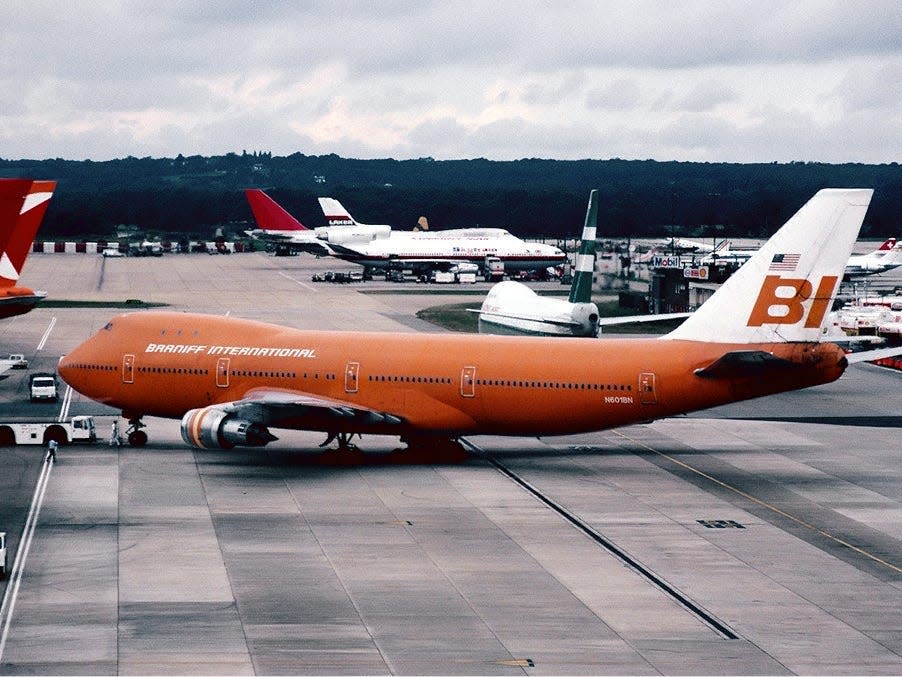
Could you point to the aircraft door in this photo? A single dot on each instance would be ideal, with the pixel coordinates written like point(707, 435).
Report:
point(128, 368)
point(647, 388)
point(468, 382)
point(352, 373)
point(222, 372)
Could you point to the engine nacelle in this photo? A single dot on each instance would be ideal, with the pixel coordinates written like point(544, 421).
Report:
point(356, 233)
point(213, 428)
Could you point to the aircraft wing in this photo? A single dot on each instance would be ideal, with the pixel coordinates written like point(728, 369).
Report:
point(868, 355)
point(394, 261)
point(273, 406)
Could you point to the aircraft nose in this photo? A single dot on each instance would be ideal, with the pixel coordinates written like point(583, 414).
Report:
point(65, 368)
point(73, 367)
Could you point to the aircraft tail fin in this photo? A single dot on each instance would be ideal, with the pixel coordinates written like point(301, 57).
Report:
point(581, 288)
point(20, 225)
point(785, 290)
point(422, 224)
point(12, 197)
point(894, 255)
point(268, 214)
point(886, 246)
point(335, 213)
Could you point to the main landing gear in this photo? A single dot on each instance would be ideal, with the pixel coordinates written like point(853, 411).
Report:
point(136, 436)
point(344, 441)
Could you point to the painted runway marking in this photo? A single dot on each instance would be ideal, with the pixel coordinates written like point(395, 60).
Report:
point(67, 402)
point(690, 605)
point(46, 335)
point(297, 281)
point(764, 504)
point(31, 523)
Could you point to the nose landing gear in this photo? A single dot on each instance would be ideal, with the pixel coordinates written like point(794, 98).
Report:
point(136, 436)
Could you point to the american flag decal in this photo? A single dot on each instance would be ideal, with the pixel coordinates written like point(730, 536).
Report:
point(785, 262)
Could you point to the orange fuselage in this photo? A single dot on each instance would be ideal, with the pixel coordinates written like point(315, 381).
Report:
point(164, 364)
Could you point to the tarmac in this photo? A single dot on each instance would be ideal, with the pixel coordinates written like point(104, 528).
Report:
point(760, 538)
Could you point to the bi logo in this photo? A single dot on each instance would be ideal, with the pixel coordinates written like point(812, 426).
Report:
point(788, 307)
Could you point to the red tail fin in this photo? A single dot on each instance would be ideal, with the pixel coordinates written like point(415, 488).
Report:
point(268, 214)
point(16, 236)
point(886, 246)
point(12, 197)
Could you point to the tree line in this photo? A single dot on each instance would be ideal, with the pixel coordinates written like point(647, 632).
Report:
point(193, 196)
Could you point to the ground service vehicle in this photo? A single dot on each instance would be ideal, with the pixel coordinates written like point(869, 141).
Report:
point(18, 361)
point(42, 387)
point(493, 269)
point(78, 429)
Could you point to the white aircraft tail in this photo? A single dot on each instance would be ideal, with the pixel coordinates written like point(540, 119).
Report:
point(894, 255)
point(335, 214)
point(581, 288)
point(785, 290)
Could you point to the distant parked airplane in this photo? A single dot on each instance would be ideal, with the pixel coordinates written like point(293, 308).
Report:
point(886, 257)
point(380, 248)
point(512, 307)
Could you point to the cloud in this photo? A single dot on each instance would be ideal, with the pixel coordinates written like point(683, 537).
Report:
point(693, 80)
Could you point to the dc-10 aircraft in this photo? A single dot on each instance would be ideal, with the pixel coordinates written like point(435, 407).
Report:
point(231, 380)
point(886, 257)
point(23, 203)
point(276, 225)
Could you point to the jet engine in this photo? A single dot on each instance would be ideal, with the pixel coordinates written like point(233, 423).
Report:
point(356, 233)
point(213, 428)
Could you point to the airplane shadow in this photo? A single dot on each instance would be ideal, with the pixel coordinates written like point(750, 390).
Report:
point(863, 421)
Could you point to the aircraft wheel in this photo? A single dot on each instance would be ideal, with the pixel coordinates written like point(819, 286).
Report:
point(138, 438)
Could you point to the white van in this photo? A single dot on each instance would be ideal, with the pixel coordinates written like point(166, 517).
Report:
point(42, 387)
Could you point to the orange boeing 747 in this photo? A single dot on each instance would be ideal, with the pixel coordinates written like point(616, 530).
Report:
point(231, 380)
point(23, 203)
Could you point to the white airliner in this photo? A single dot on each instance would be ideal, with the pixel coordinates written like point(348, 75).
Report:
point(886, 257)
point(682, 246)
point(725, 254)
point(445, 249)
point(380, 247)
point(514, 308)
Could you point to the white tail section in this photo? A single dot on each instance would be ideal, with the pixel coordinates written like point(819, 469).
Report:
point(335, 214)
point(784, 292)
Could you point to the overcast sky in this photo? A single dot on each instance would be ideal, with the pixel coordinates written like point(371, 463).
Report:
point(729, 80)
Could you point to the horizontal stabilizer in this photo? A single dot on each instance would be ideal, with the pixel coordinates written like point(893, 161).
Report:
point(741, 363)
point(630, 319)
point(529, 318)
